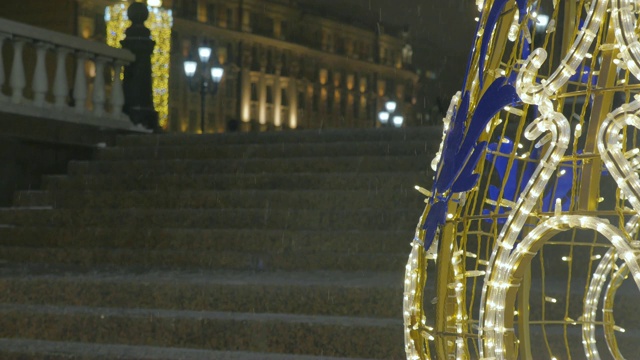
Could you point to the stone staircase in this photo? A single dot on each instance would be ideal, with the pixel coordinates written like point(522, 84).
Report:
point(283, 245)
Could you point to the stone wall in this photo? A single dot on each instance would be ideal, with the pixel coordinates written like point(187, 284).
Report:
point(32, 147)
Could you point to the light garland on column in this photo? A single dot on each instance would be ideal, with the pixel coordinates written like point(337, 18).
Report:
point(159, 22)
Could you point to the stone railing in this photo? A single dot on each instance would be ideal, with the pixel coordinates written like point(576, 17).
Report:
point(86, 83)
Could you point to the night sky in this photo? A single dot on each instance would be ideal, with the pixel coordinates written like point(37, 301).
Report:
point(442, 32)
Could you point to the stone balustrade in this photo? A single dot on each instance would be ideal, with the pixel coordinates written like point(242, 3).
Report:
point(62, 77)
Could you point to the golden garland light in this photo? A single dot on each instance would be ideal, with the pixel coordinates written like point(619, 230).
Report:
point(159, 22)
point(535, 201)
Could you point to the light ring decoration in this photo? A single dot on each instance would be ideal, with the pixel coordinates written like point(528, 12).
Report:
point(607, 310)
point(590, 306)
point(524, 252)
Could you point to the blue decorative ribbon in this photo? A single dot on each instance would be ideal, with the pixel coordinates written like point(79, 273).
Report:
point(461, 151)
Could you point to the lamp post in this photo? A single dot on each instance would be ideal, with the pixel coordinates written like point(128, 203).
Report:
point(389, 116)
point(208, 80)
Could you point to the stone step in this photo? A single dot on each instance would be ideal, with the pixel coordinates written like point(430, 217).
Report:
point(301, 136)
point(22, 349)
point(210, 240)
point(370, 294)
point(298, 219)
point(86, 258)
point(426, 147)
point(358, 164)
point(31, 198)
point(375, 182)
point(208, 199)
point(279, 333)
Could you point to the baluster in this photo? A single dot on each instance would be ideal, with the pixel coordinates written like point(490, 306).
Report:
point(117, 94)
point(99, 96)
point(2, 77)
point(40, 84)
point(80, 83)
point(60, 86)
point(17, 80)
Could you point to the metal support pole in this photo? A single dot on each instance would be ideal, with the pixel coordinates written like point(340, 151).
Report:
point(203, 94)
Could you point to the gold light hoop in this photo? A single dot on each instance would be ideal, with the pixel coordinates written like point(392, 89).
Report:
point(591, 306)
point(607, 310)
point(415, 328)
point(519, 260)
point(416, 331)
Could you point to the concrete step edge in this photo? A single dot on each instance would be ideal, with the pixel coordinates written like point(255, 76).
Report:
point(201, 315)
point(59, 349)
point(342, 279)
point(309, 136)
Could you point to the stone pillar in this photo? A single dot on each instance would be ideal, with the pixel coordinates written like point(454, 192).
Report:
point(262, 93)
point(277, 94)
point(17, 79)
point(245, 88)
point(293, 102)
point(262, 100)
point(137, 75)
point(40, 83)
point(246, 20)
point(60, 86)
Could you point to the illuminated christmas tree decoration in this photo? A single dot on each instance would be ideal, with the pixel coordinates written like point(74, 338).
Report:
point(159, 22)
point(521, 208)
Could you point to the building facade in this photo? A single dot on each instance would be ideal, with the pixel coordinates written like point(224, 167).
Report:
point(287, 66)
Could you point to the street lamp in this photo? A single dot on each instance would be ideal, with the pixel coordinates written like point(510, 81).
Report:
point(389, 113)
point(208, 79)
